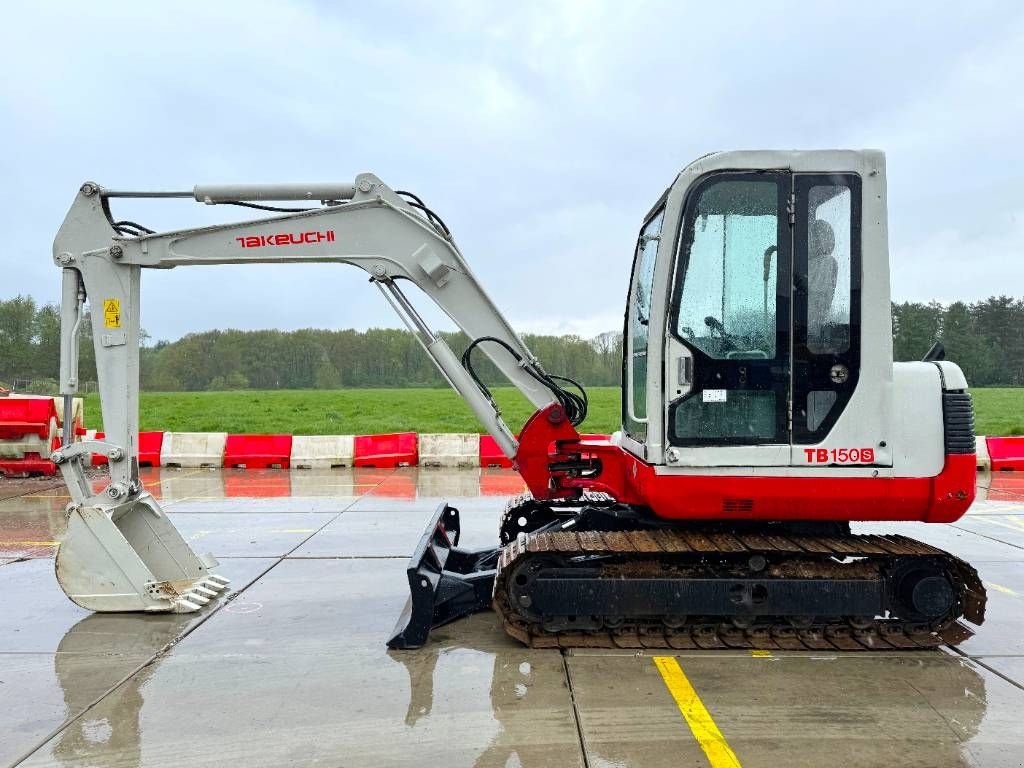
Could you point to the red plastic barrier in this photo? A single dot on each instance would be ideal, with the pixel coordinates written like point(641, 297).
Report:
point(1007, 453)
point(29, 464)
point(97, 458)
point(150, 444)
point(397, 450)
point(258, 451)
point(26, 416)
point(491, 455)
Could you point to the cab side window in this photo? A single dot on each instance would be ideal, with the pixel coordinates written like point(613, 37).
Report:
point(640, 303)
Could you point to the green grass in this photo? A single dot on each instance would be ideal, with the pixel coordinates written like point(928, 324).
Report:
point(370, 411)
point(999, 411)
point(339, 412)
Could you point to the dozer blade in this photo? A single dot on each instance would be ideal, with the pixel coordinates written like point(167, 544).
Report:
point(132, 558)
point(445, 583)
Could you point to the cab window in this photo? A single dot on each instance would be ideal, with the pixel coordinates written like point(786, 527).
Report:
point(727, 308)
point(640, 304)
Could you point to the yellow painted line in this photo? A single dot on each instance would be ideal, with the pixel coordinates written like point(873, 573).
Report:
point(761, 654)
point(702, 725)
point(30, 543)
point(1000, 588)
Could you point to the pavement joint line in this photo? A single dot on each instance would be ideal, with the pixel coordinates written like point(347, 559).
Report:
point(72, 720)
point(158, 654)
point(982, 535)
point(982, 664)
point(575, 710)
point(702, 725)
point(164, 649)
point(1011, 521)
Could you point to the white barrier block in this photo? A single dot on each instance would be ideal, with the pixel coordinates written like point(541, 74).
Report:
point(450, 450)
point(193, 449)
point(981, 451)
point(322, 451)
point(16, 448)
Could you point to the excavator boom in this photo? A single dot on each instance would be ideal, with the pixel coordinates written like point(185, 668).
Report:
point(121, 552)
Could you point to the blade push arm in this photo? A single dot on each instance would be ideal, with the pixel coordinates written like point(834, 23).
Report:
point(374, 229)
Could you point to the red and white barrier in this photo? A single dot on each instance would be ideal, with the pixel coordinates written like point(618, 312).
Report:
point(322, 451)
point(150, 447)
point(395, 450)
point(193, 449)
point(451, 450)
point(490, 455)
point(258, 451)
point(28, 433)
point(1006, 453)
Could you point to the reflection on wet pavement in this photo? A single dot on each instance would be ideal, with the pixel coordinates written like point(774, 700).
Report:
point(290, 668)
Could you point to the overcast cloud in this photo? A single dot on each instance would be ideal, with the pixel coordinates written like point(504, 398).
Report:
point(542, 133)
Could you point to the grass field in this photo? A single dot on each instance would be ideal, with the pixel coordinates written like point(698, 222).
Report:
point(370, 411)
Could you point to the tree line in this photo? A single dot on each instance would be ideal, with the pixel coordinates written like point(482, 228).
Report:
point(985, 338)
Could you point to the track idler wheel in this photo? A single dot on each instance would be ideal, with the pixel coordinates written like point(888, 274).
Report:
point(923, 591)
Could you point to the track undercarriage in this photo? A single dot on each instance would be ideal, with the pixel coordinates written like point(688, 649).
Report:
point(610, 576)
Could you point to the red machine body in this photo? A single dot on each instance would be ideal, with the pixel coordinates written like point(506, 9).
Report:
point(557, 464)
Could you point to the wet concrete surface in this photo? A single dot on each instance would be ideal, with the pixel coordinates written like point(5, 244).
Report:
point(290, 667)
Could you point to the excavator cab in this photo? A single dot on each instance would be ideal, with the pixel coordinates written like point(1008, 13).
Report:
point(746, 303)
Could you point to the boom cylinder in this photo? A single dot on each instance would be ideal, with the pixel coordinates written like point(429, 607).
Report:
point(224, 193)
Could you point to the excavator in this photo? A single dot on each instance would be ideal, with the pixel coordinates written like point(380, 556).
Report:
point(762, 413)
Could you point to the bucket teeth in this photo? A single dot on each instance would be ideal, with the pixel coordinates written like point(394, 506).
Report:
point(200, 593)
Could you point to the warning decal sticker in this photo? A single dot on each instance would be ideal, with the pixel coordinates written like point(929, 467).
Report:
point(112, 313)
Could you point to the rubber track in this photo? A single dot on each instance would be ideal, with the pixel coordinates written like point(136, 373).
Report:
point(886, 634)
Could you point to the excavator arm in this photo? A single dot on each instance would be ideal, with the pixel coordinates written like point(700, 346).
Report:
point(121, 552)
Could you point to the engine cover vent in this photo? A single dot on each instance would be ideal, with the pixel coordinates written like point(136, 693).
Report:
point(738, 506)
point(958, 420)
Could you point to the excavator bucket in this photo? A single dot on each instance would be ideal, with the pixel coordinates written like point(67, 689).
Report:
point(445, 583)
point(131, 558)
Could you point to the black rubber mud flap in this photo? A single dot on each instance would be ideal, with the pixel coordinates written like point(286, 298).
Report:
point(445, 583)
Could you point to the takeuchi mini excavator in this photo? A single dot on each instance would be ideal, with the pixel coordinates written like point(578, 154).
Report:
point(761, 414)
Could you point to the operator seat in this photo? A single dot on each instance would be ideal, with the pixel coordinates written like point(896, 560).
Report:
point(822, 272)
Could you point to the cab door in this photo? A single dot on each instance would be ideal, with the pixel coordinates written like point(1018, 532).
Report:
point(637, 336)
point(731, 312)
point(826, 305)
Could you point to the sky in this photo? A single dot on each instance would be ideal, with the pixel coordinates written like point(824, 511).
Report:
point(541, 132)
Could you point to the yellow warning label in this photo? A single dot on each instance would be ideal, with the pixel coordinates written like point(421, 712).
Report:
point(112, 313)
